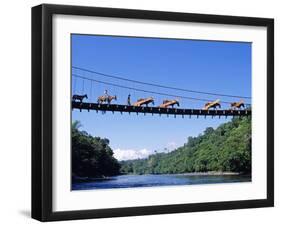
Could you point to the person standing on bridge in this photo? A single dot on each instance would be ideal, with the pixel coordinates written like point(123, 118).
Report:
point(129, 100)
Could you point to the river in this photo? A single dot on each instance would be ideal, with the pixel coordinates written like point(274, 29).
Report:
point(149, 180)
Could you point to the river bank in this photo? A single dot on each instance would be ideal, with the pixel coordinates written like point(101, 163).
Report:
point(212, 173)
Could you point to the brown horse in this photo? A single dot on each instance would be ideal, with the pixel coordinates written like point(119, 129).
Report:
point(143, 101)
point(167, 103)
point(237, 105)
point(104, 99)
point(79, 97)
point(213, 104)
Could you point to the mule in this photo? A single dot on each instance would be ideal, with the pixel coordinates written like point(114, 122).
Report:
point(167, 103)
point(214, 105)
point(145, 101)
point(237, 105)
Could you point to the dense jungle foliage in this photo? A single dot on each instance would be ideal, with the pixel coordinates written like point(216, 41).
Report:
point(227, 148)
point(91, 156)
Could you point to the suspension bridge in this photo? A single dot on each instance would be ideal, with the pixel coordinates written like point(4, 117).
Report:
point(100, 92)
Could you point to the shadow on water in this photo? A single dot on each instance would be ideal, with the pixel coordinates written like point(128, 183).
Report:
point(77, 180)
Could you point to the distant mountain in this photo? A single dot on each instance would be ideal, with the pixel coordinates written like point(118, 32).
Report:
point(227, 148)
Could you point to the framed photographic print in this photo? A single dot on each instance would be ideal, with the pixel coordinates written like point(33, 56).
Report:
point(146, 112)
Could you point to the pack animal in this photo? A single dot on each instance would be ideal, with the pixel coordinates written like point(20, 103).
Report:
point(167, 103)
point(144, 101)
point(237, 105)
point(213, 104)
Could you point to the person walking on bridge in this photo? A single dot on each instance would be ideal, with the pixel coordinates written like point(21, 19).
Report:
point(129, 100)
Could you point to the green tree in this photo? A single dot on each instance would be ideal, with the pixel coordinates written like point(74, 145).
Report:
point(91, 156)
point(227, 148)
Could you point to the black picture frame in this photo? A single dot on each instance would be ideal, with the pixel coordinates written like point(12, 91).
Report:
point(42, 111)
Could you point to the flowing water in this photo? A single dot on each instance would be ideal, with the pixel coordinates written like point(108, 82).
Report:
point(149, 180)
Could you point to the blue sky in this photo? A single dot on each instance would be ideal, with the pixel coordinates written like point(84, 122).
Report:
point(209, 66)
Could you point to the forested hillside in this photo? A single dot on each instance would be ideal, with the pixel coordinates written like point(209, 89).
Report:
point(227, 148)
point(91, 156)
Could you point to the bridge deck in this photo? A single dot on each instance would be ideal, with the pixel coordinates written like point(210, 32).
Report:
point(157, 110)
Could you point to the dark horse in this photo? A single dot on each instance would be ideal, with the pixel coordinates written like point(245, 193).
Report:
point(79, 97)
point(237, 105)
